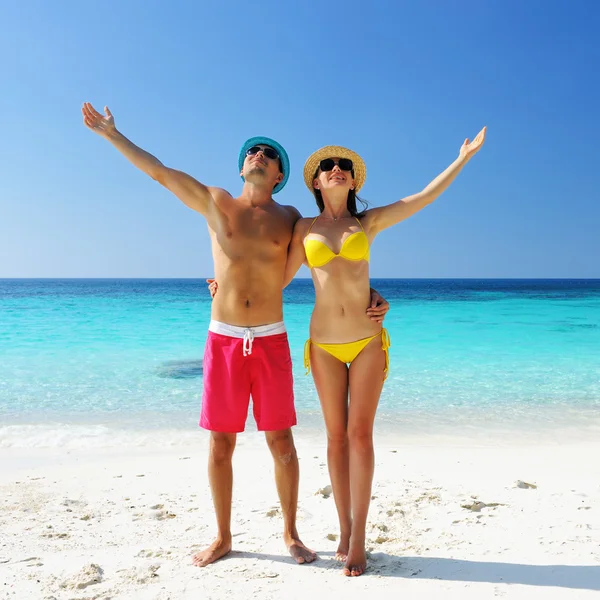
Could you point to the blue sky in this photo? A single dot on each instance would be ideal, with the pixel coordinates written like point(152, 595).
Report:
point(402, 83)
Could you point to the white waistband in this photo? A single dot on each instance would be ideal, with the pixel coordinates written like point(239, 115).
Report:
point(241, 332)
point(247, 333)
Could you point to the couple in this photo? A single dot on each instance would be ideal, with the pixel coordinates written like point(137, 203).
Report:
point(258, 245)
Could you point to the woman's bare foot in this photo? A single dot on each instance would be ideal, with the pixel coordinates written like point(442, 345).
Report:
point(356, 563)
point(341, 553)
point(299, 552)
point(218, 549)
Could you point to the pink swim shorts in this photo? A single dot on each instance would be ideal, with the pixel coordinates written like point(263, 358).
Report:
point(240, 362)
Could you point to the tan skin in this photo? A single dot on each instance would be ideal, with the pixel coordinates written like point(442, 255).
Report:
point(250, 236)
point(349, 395)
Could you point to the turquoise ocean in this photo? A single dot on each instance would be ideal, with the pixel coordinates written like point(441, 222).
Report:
point(91, 363)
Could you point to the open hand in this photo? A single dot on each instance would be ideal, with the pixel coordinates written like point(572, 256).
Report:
point(103, 125)
point(469, 149)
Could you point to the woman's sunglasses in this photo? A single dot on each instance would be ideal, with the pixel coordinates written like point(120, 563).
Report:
point(327, 164)
point(268, 152)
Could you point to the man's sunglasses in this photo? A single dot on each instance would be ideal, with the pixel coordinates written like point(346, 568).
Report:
point(327, 164)
point(268, 152)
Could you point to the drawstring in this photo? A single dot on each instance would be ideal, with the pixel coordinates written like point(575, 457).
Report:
point(248, 339)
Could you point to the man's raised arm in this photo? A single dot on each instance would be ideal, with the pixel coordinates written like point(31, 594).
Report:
point(191, 192)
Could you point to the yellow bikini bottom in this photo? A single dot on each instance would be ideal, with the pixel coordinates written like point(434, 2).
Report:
point(347, 352)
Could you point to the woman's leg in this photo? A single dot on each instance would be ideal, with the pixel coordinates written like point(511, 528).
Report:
point(331, 381)
point(366, 382)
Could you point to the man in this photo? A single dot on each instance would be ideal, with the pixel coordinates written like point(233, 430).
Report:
point(247, 351)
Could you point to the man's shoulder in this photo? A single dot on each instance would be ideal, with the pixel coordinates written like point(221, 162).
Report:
point(292, 211)
point(219, 193)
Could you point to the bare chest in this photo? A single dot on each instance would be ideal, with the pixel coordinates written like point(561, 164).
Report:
point(254, 232)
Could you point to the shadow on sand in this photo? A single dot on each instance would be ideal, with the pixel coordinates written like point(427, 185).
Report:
point(576, 577)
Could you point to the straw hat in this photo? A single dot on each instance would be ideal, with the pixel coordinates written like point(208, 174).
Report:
point(312, 163)
point(265, 141)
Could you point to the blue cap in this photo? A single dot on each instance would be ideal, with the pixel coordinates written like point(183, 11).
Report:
point(265, 141)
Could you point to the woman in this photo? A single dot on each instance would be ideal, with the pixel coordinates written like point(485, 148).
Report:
point(347, 351)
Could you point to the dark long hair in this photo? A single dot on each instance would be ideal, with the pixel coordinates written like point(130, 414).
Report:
point(350, 204)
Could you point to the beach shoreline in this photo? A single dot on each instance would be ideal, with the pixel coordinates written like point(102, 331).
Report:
point(448, 519)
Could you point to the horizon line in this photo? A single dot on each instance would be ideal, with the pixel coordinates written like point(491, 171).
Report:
point(299, 278)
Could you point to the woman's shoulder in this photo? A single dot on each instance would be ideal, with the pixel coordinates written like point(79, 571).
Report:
point(305, 222)
point(366, 217)
point(302, 226)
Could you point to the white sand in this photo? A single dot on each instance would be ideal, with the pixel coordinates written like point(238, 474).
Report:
point(101, 525)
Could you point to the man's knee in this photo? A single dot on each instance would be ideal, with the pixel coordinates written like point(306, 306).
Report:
point(281, 444)
point(222, 446)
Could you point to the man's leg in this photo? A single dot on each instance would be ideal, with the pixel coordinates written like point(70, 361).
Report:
point(287, 476)
point(225, 400)
point(273, 407)
point(220, 475)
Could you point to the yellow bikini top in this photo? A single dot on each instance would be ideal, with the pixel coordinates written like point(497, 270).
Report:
point(355, 247)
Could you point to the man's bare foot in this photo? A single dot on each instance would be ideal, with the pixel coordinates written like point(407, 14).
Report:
point(299, 552)
point(218, 549)
point(356, 563)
